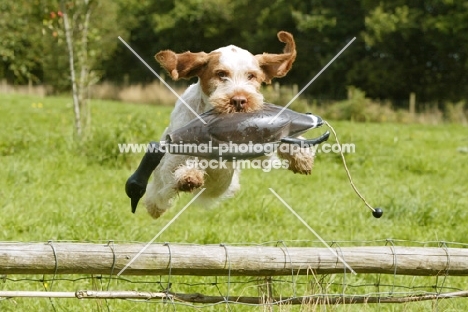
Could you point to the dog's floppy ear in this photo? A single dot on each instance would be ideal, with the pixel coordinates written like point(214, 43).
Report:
point(182, 65)
point(278, 65)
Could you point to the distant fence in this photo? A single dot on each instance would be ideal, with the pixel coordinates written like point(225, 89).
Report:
point(269, 268)
point(156, 93)
point(377, 111)
point(30, 89)
point(151, 93)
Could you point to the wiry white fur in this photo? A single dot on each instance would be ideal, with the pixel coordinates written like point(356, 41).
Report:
point(237, 59)
point(171, 171)
point(241, 78)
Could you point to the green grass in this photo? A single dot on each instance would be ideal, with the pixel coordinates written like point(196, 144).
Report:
point(53, 188)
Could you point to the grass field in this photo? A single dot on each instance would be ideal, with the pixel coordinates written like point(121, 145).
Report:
point(55, 188)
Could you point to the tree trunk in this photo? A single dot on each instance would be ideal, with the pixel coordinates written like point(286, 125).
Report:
point(84, 64)
point(71, 58)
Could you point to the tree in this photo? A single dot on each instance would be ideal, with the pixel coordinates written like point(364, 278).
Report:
point(177, 25)
point(78, 29)
point(418, 46)
point(324, 28)
point(21, 38)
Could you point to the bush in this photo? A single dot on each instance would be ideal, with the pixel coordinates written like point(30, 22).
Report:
point(101, 144)
point(456, 113)
point(359, 108)
point(282, 95)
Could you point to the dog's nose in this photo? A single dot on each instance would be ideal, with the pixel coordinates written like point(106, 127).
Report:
point(238, 101)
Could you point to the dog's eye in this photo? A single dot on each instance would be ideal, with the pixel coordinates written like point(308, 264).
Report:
point(250, 76)
point(222, 75)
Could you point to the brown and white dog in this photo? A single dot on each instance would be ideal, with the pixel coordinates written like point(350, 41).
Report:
point(229, 81)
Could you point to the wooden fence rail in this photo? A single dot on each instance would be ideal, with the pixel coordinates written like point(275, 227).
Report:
point(212, 260)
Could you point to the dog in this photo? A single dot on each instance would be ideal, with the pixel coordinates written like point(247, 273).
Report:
point(229, 80)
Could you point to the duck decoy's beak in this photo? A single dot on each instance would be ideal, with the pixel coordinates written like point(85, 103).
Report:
point(307, 142)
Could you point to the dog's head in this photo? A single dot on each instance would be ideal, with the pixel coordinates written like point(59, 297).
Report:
point(230, 76)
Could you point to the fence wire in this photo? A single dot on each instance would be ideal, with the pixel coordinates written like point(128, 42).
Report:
point(233, 293)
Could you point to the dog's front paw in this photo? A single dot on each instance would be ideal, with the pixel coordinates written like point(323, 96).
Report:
point(190, 183)
point(189, 179)
point(301, 165)
point(299, 160)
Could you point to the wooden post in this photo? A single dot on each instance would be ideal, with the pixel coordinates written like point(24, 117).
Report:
point(295, 90)
point(412, 104)
point(277, 89)
point(210, 260)
point(4, 86)
point(265, 288)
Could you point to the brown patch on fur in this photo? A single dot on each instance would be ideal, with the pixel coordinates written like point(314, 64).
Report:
point(156, 213)
point(208, 79)
point(183, 65)
point(190, 180)
point(300, 161)
point(278, 65)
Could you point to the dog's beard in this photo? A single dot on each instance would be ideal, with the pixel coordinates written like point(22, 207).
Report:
point(222, 102)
